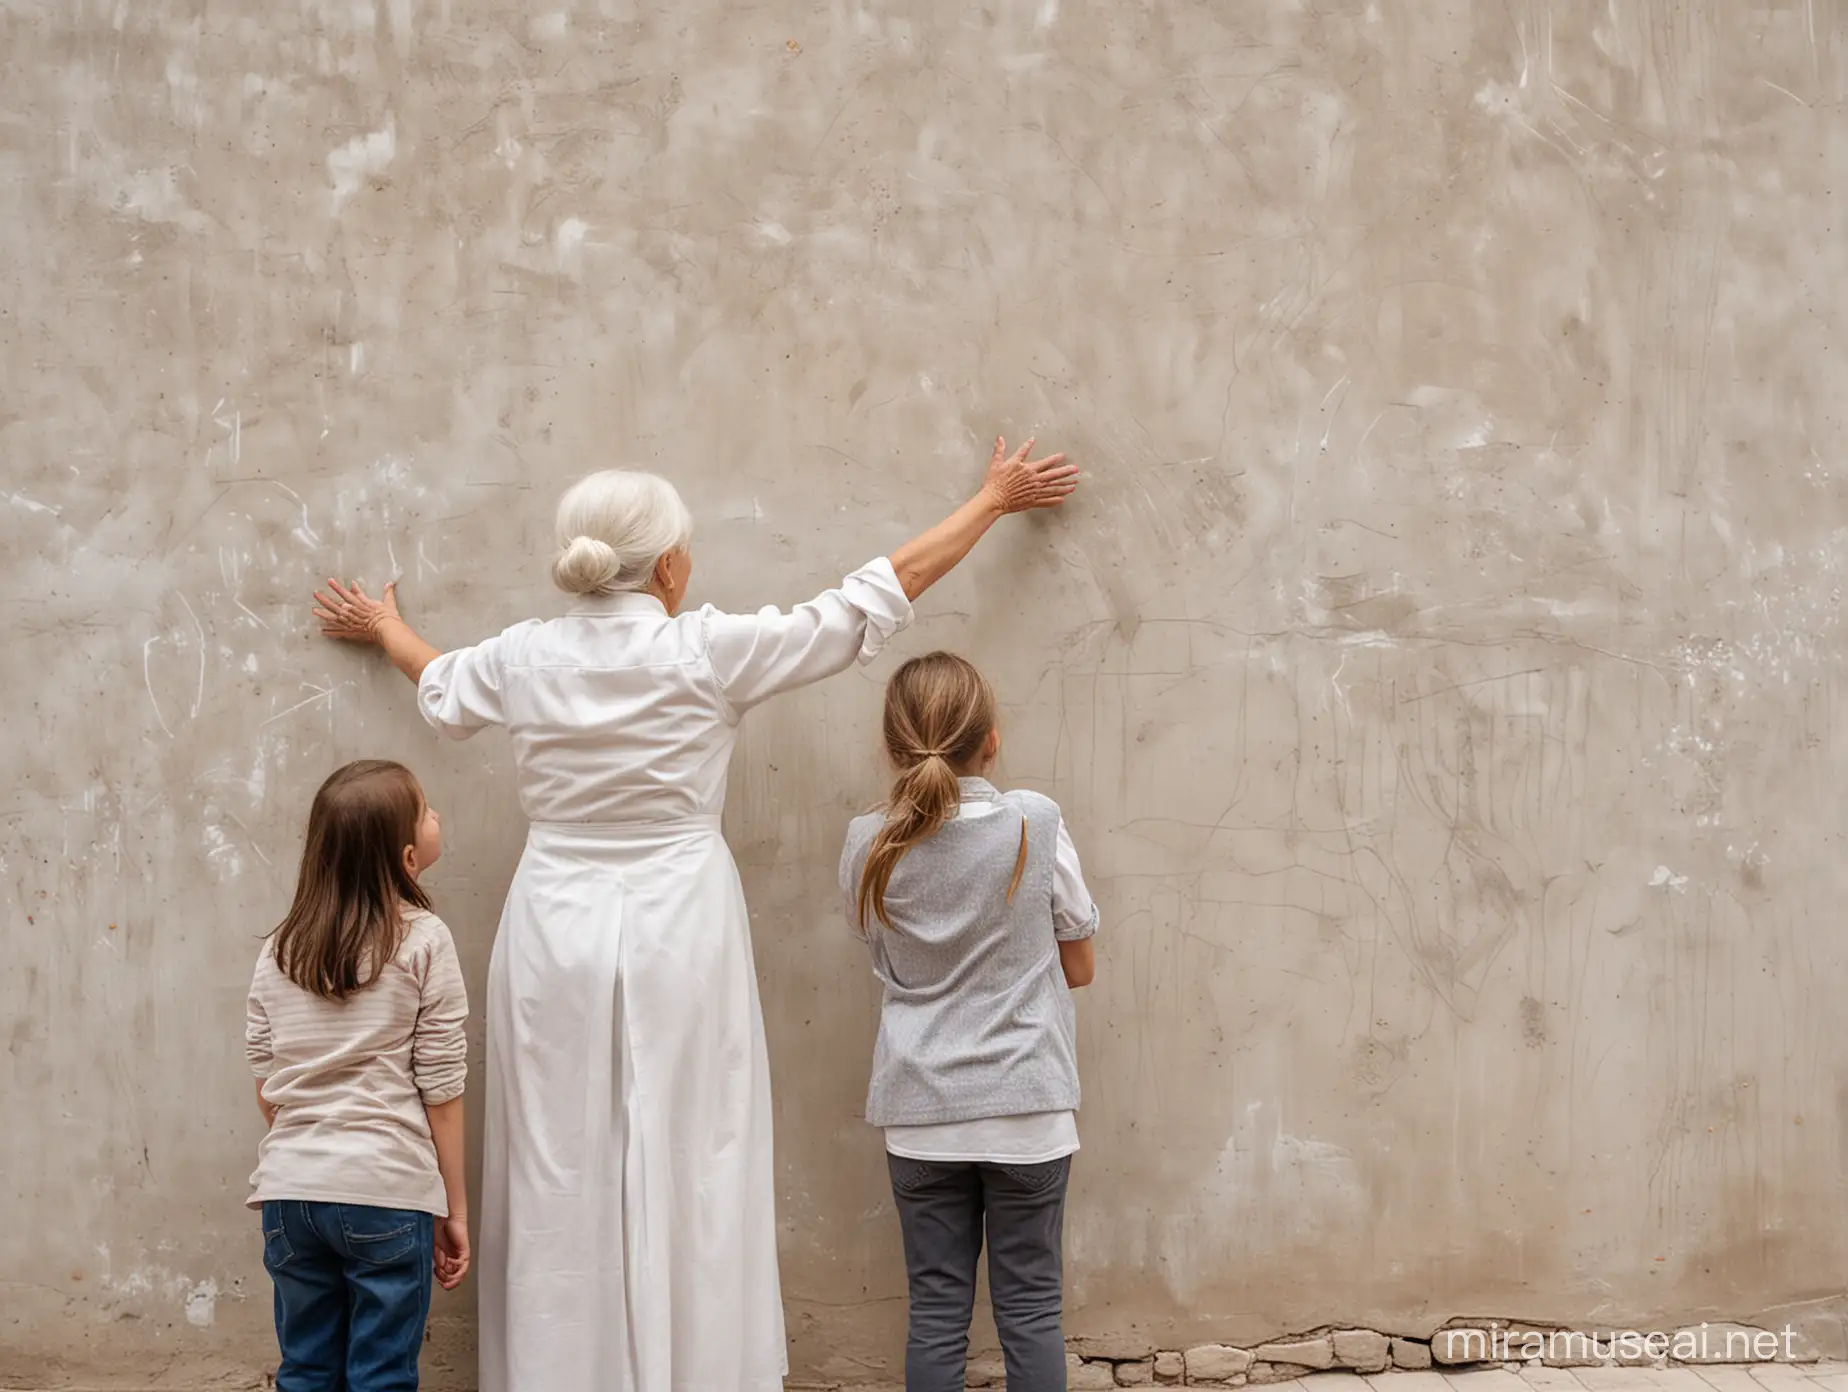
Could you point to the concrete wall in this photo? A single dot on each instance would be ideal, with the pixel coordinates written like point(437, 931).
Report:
point(1441, 672)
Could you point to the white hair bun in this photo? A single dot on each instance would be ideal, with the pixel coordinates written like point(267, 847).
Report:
point(585, 566)
point(612, 529)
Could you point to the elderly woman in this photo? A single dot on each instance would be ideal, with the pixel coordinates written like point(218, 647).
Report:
point(629, 1231)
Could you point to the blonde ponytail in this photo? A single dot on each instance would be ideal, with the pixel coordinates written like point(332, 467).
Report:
point(938, 714)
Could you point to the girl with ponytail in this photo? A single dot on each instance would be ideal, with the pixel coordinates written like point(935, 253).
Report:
point(974, 908)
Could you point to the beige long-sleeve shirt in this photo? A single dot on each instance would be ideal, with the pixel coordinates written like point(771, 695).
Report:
point(350, 1079)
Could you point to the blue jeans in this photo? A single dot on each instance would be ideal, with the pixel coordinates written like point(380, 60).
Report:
point(352, 1294)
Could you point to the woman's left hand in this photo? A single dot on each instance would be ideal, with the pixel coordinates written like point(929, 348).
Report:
point(1017, 484)
point(352, 614)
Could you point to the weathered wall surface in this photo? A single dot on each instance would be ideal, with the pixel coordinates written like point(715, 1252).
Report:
point(1440, 673)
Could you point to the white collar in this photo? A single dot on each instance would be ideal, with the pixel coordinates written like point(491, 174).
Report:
point(622, 602)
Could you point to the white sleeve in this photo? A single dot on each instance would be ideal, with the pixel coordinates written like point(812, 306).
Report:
point(1074, 914)
point(756, 656)
point(460, 692)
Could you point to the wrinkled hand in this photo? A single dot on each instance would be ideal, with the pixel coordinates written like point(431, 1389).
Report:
point(352, 614)
point(1015, 484)
point(451, 1252)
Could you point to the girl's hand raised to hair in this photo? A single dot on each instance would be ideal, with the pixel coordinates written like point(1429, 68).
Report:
point(1015, 484)
point(352, 614)
point(451, 1252)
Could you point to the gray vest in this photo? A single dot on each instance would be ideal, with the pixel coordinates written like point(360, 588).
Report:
point(977, 1020)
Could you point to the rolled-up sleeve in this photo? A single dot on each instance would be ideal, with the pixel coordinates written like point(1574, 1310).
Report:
point(439, 1046)
point(755, 656)
point(1074, 912)
point(463, 691)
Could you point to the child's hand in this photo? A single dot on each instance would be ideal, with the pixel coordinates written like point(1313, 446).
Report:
point(451, 1252)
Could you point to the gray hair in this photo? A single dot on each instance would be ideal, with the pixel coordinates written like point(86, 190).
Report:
point(612, 528)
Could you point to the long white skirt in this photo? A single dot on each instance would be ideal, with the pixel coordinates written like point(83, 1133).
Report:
point(628, 1233)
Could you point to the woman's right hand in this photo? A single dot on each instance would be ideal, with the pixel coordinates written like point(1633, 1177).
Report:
point(352, 614)
point(1016, 484)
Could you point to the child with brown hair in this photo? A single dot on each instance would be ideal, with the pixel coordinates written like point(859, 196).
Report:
point(976, 913)
point(355, 1033)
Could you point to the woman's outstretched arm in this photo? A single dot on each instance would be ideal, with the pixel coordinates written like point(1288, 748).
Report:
point(757, 655)
point(352, 614)
point(1013, 484)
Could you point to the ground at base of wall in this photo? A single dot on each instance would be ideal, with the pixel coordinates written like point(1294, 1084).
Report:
point(1213, 1366)
point(1740, 1357)
point(1757, 1377)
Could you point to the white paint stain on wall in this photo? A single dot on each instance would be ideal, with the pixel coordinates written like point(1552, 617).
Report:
point(202, 1304)
point(359, 159)
point(183, 89)
point(1269, 1190)
point(153, 195)
point(198, 1299)
point(570, 236)
point(222, 852)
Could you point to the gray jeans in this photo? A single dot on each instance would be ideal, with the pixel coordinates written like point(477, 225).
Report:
point(943, 1210)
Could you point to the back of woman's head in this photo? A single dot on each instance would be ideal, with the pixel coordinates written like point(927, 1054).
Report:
point(347, 920)
point(939, 712)
point(613, 527)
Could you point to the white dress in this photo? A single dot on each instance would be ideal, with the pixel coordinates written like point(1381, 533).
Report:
point(628, 1225)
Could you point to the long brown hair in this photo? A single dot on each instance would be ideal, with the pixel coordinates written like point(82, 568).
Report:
point(347, 920)
point(939, 711)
